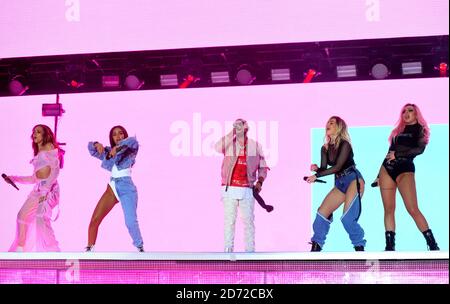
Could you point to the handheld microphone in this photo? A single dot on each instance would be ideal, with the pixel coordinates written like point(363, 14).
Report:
point(9, 181)
point(316, 181)
point(374, 184)
point(108, 156)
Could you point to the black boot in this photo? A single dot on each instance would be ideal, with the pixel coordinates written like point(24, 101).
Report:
point(390, 241)
point(315, 247)
point(359, 248)
point(431, 242)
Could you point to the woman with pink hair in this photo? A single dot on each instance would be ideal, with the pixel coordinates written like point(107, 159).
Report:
point(408, 139)
point(34, 230)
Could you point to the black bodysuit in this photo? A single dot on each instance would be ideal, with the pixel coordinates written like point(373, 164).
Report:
point(339, 159)
point(406, 145)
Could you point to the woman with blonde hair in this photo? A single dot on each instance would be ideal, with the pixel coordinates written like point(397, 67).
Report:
point(348, 187)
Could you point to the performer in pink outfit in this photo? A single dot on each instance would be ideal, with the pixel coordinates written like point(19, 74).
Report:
point(34, 230)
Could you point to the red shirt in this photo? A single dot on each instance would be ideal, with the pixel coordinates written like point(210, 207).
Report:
point(239, 177)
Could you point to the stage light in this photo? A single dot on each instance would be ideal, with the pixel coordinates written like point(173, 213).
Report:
point(75, 84)
point(188, 81)
point(412, 68)
point(133, 82)
point(379, 71)
point(169, 80)
point(280, 74)
point(111, 81)
point(17, 85)
point(344, 71)
point(220, 77)
point(309, 75)
point(74, 75)
point(443, 69)
point(52, 109)
point(244, 75)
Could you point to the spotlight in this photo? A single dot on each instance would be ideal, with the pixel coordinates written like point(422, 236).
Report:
point(75, 84)
point(412, 68)
point(310, 75)
point(281, 74)
point(344, 71)
point(188, 81)
point(443, 69)
point(244, 75)
point(379, 71)
point(17, 85)
point(133, 82)
point(74, 76)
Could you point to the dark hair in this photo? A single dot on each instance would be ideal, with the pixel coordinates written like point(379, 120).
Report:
point(47, 137)
point(111, 140)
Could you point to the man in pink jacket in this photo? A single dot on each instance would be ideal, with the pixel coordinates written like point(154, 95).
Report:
point(243, 158)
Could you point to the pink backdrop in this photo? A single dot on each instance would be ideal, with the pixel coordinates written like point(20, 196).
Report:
point(179, 196)
point(51, 27)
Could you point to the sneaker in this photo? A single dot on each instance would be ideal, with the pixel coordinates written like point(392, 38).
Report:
point(141, 249)
point(89, 248)
point(228, 249)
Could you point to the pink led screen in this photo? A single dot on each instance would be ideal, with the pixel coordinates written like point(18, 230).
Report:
point(177, 173)
point(52, 27)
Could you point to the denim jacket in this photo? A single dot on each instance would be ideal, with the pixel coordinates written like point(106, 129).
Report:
point(125, 158)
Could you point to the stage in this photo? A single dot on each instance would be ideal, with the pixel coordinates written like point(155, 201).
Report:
point(225, 268)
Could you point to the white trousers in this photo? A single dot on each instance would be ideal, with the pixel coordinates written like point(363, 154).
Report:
point(245, 203)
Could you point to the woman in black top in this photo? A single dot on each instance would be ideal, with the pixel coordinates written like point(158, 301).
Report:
point(408, 139)
point(349, 185)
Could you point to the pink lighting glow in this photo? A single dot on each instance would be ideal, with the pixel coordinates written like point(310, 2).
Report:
point(53, 27)
point(177, 173)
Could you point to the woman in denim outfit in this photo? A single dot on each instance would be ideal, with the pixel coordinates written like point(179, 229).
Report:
point(118, 158)
point(348, 188)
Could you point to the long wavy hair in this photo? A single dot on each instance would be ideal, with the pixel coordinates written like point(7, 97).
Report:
point(341, 133)
point(47, 137)
point(400, 125)
point(127, 152)
point(111, 140)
